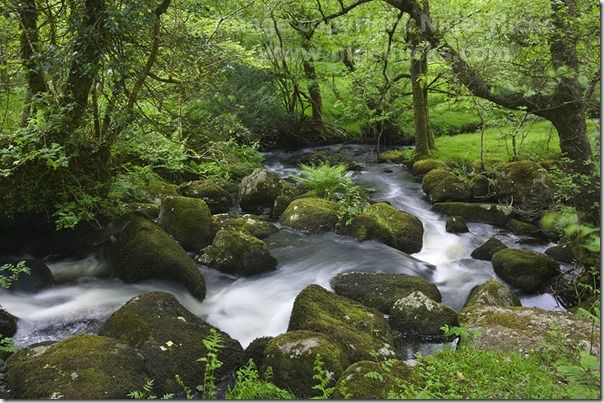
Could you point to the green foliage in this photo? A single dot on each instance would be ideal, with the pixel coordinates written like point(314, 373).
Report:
point(564, 221)
point(213, 344)
point(147, 392)
point(226, 160)
point(583, 377)
point(249, 385)
point(10, 273)
point(325, 180)
point(324, 378)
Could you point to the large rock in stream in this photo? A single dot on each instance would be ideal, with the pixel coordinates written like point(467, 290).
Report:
point(442, 186)
point(188, 220)
point(525, 270)
point(170, 338)
point(495, 214)
point(311, 214)
point(143, 251)
point(248, 223)
point(214, 195)
point(78, 368)
point(258, 191)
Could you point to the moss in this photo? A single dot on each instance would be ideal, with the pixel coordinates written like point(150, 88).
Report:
point(311, 214)
point(170, 337)
point(143, 251)
point(422, 167)
point(381, 290)
point(525, 184)
point(561, 252)
point(495, 214)
point(258, 191)
point(481, 187)
point(488, 249)
point(522, 228)
point(434, 177)
point(158, 190)
point(395, 156)
point(238, 253)
point(456, 225)
point(526, 270)
point(488, 163)
point(292, 355)
point(255, 351)
point(79, 368)
point(215, 196)
point(248, 223)
point(149, 210)
point(384, 223)
point(188, 220)
point(491, 293)
point(356, 385)
point(359, 330)
point(441, 186)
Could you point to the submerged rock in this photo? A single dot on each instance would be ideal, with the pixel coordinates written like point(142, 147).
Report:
point(456, 225)
point(215, 196)
point(143, 251)
point(78, 368)
point(357, 329)
point(526, 270)
point(238, 253)
point(495, 214)
point(488, 249)
point(170, 338)
point(311, 214)
point(381, 290)
point(188, 220)
point(258, 191)
point(356, 384)
point(248, 223)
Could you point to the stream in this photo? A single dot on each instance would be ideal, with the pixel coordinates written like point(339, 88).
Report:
point(247, 308)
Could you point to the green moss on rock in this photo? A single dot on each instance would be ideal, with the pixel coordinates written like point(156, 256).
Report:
point(359, 330)
point(525, 184)
point(422, 167)
point(491, 293)
point(215, 196)
point(356, 384)
point(311, 214)
point(488, 249)
point(258, 191)
point(480, 186)
point(170, 338)
point(248, 223)
point(456, 225)
point(143, 251)
point(395, 156)
point(159, 190)
point(495, 214)
point(434, 177)
point(238, 253)
point(381, 290)
point(78, 368)
point(526, 270)
point(522, 228)
point(188, 220)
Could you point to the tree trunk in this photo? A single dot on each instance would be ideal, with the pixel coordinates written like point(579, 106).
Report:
point(424, 141)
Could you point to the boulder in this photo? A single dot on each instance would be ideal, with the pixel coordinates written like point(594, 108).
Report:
point(418, 317)
point(381, 290)
point(188, 220)
point(170, 338)
point(357, 329)
point(159, 190)
point(563, 252)
point(526, 270)
point(38, 278)
point(8, 324)
point(248, 223)
point(434, 177)
point(480, 186)
point(456, 225)
point(491, 293)
point(258, 191)
point(422, 167)
point(238, 253)
point(488, 249)
point(216, 197)
point(496, 214)
point(81, 367)
point(522, 228)
point(488, 163)
point(292, 356)
point(525, 184)
point(289, 192)
point(356, 382)
point(143, 251)
point(395, 156)
point(311, 214)
point(441, 186)
point(147, 210)
point(255, 351)
point(384, 223)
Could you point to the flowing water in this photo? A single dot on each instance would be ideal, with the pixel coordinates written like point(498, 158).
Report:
point(247, 308)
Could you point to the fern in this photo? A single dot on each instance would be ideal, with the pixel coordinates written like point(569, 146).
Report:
point(213, 344)
point(250, 386)
point(324, 179)
point(323, 378)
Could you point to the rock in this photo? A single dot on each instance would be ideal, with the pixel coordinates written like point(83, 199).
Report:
point(8, 324)
point(441, 186)
point(522, 228)
point(357, 329)
point(491, 293)
point(434, 177)
point(170, 338)
point(381, 290)
point(238, 253)
point(255, 351)
point(82, 367)
point(188, 220)
point(522, 329)
point(526, 270)
point(147, 210)
point(258, 191)
point(355, 384)
point(143, 252)
point(418, 317)
point(422, 167)
point(38, 278)
point(215, 196)
point(311, 214)
point(384, 223)
point(562, 252)
point(480, 186)
point(292, 355)
point(456, 225)
point(525, 184)
point(159, 190)
point(495, 214)
point(488, 249)
point(395, 156)
point(248, 223)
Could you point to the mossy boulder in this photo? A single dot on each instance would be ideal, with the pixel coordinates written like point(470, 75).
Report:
point(258, 191)
point(381, 290)
point(238, 253)
point(523, 329)
point(255, 350)
point(563, 252)
point(443, 186)
point(8, 324)
point(216, 197)
point(143, 251)
point(456, 225)
point(311, 214)
point(525, 184)
point(38, 278)
point(78, 368)
point(148, 210)
point(170, 338)
point(357, 329)
point(292, 355)
point(434, 177)
point(159, 190)
point(355, 383)
point(422, 167)
point(525, 270)
point(491, 293)
point(487, 163)
point(496, 214)
point(384, 223)
point(248, 223)
point(188, 220)
point(522, 228)
point(395, 156)
point(488, 249)
point(418, 317)
point(480, 186)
